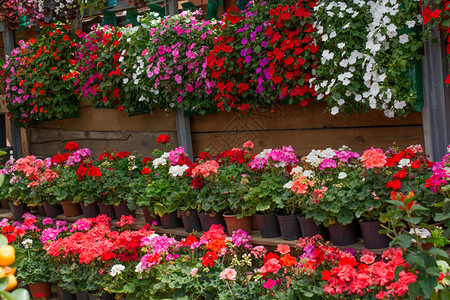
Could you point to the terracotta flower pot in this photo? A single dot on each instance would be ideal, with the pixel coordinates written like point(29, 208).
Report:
point(170, 221)
point(39, 289)
point(52, 210)
point(122, 210)
point(90, 211)
point(233, 223)
point(107, 210)
point(268, 225)
point(289, 227)
point(71, 209)
point(209, 219)
point(372, 239)
point(343, 235)
point(149, 218)
point(191, 222)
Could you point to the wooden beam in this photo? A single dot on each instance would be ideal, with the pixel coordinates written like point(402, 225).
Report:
point(8, 42)
point(184, 133)
point(436, 109)
point(173, 7)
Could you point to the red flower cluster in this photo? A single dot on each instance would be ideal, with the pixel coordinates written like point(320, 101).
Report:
point(71, 146)
point(163, 139)
point(11, 233)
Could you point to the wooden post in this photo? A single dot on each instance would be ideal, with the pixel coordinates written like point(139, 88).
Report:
point(436, 109)
point(8, 43)
point(183, 122)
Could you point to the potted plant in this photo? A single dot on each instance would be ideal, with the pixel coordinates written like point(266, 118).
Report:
point(272, 170)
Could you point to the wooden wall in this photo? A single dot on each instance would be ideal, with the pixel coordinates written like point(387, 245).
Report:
point(303, 128)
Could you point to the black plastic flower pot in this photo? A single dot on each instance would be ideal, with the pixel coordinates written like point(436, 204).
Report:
point(207, 220)
point(289, 227)
point(149, 218)
point(122, 210)
point(372, 239)
point(52, 210)
point(310, 228)
point(343, 235)
point(18, 210)
point(268, 225)
point(65, 294)
point(170, 221)
point(41, 210)
point(191, 221)
point(107, 210)
point(82, 295)
point(90, 211)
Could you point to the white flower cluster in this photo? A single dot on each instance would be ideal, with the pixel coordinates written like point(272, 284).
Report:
point(178, 171)
point(116, 269)
point(315, 157)
point(352, 72)
point(161, 161)
point(420, 232)
point(27, 243)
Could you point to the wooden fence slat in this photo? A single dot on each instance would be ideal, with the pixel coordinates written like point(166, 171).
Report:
point(295, 117)
point(303, 141)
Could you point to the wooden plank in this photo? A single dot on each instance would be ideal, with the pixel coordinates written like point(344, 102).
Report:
point(294, 117)
point(25, 34)
point(303, 141)
point(24, 138)
point(436, 109)
point(92, 119)
point(142, 142)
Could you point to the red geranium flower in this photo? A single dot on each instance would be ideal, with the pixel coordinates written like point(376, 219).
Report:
point(163, 139)
point(94, 172)
point(71, 146)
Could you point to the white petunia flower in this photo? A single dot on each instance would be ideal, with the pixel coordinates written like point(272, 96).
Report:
point(410, 24)
point(403, 39)
point(332, 34)
point(335, 110)
point(116, 269)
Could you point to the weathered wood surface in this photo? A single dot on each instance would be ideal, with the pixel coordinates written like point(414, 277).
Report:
point(304, 129)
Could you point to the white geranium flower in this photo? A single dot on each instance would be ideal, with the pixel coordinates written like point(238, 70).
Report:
point(116, 269)
point(138, 268)
point(288, 185)
point(404, 162)
point(403, 39)
point(342, 175)
point(308, 174)
point(327, 153)
point(296, 170)
point(421, 232)
point(27, 243)
point(178, 171)
point(389, 113)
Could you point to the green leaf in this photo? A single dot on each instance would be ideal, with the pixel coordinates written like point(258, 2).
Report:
point(441, 216)
point(19, 261)
point(21, 294)
point(438, 252)
point(434, 271)
point(404, 240)
point(4, 283)
point(428, 284)
point(6, 295)
point(413, 220)
point(3, 240)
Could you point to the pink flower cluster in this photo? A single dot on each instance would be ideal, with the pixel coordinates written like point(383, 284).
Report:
point(206, 169)
point(35, 170)
point(441, 175)
point(278, 158)
point(373, 158)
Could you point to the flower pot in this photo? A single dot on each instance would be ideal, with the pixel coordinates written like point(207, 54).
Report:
point(191, 222)
point(82, 295)
point(64, 294)
point(18, 210)
point(209, 219)
point(107, 210)
point(122, 210)
point(71, 209)
point(289, 227)
point(38, 289)
point(5, 204)
point(343, 235)
point(52, 210)
point(149, 218)
point(41, 210)
point(372, 239)
point(104, 296)
point(170, 221)
point(254, 223)
point(268, 226)
point(90, 211)
point(310, 228)
point(233, 223)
